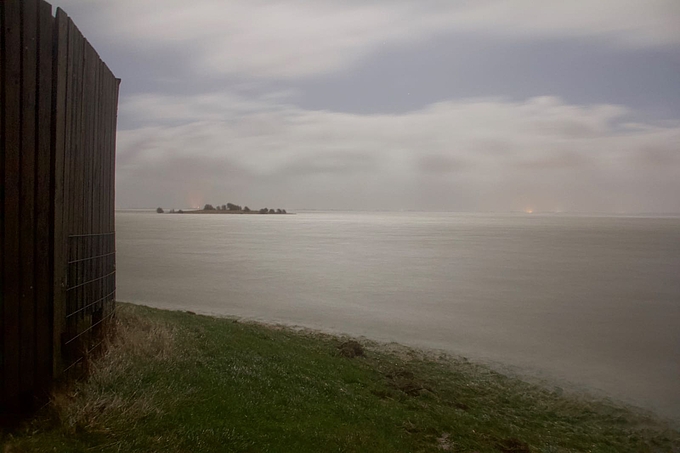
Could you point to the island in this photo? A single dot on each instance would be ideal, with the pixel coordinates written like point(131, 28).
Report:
point(228, 208)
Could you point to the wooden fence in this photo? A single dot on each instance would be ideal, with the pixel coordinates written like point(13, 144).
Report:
point(58, 107)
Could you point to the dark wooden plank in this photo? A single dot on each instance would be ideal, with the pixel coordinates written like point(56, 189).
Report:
point(99, 183)
point(59, 136)
point(109, 178)
point(106, 95)
point(29, 17)
point(110, 168)
point(96, 159)
point(74, 183)
point(88, 186)
point(44, 195)
point(78, 180)
point(58, 179)
point(12, 185)
point(114, 123)
point(86, 242)
point(69, 177)
point(86, 150)
point(2, 192)
point(88, 146)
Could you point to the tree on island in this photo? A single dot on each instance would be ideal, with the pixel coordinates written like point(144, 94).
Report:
point(233, 207)
point(271, 211)
point(209, 207)
point(246, 209)
point(279, 211)
point(159, 210)
point(264, 211)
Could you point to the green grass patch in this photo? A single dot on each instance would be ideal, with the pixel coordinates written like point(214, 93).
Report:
point(178, 382)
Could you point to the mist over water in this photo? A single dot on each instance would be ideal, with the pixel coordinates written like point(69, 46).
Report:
point(593, 301)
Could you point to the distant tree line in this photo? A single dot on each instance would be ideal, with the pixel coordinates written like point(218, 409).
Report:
point(272, 211)
point(232, 207)
point(235, 207)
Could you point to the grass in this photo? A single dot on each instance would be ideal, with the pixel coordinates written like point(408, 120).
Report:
point(178, 382)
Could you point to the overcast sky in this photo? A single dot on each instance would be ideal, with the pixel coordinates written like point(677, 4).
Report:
point(479, 105)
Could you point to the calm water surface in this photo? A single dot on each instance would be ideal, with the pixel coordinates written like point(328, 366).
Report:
point(592, 301)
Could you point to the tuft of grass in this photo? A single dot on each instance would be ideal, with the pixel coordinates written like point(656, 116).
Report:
point(112, 389)
point(180, 382)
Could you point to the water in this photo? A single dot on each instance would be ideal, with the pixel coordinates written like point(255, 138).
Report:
point(592, 301)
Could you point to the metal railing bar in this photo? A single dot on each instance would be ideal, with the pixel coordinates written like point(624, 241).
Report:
point(92, 258)
point(73, 364)
point(90, 328)
point(91, 304)
point(90, 281)
point(90, 235)
point(83, 356)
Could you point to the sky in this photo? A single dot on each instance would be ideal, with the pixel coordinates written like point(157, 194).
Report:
point(452, 105)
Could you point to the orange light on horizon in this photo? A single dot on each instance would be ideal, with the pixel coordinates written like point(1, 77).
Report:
point(528, 210)
point(194, 198)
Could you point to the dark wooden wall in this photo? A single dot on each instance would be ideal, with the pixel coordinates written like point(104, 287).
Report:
point(58, 107)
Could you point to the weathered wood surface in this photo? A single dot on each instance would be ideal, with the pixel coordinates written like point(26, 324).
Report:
point(58, 104)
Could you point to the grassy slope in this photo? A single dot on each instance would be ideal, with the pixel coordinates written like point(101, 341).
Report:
point(177, 382)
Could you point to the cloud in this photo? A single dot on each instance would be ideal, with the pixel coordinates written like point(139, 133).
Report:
point(439, 164)
point(476, 154)
point(335, 163)
point(292, 39)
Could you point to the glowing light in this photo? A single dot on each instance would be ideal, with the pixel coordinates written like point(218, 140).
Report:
point(528, 210)
point(194, 198)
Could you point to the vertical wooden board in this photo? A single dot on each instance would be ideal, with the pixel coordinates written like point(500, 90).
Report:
point(92, 180)
point(110, 183)
point(96, 153)
point(29, 17)
point(105, 102)
point(110, 187)
point(108, 178)
point(96, 180)
point(79, 136)
point(102, 137)
point(2, 193)
point(58, 150)
point(82, 212)
point(12, 183)
point(106, 152)
point(98, 174)
point(69, 173)
point(114, 124)
point(88, 148)
point(77, 179)
point(88, 290)
point(44, 195)
point(98, 133)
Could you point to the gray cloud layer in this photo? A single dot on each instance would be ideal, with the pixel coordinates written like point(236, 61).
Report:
point(304, 38)
point(471, 155)
point(395, 105)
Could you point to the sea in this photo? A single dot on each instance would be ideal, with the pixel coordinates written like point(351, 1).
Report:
point(578, 302)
